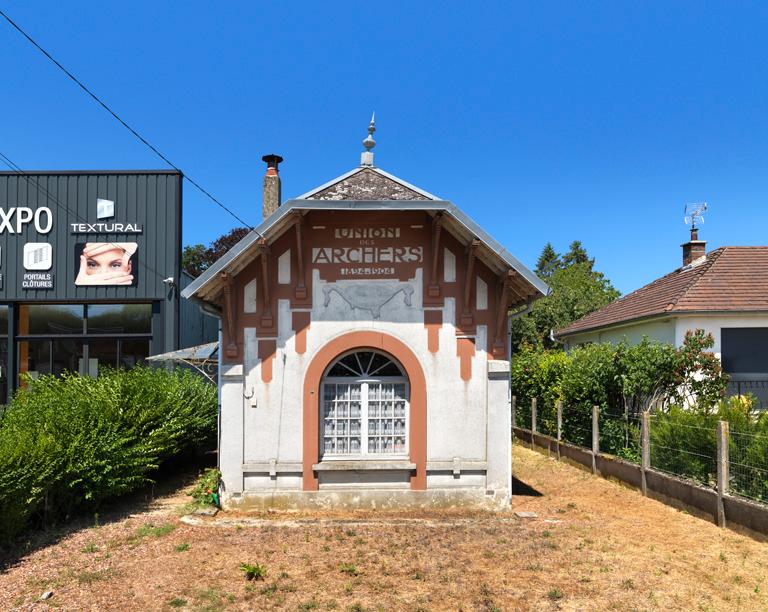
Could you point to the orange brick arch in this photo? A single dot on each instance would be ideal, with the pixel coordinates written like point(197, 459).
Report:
point(359, 340)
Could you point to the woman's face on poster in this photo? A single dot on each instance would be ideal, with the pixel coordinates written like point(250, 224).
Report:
point(106, 263)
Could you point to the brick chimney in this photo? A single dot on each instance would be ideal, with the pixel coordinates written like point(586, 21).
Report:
point(694, 248)
point(271, 197)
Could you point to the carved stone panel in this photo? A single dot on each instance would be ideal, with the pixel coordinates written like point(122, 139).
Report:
point(368, 296)
point(367, 185)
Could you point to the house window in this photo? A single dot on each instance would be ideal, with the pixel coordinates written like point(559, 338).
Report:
point(365, 407)
point(744, 350)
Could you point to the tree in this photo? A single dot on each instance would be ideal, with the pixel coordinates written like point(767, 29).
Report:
point(577, 254)
point(223, 243)
point(196, 258)
point(576, 289)
point(548, 262)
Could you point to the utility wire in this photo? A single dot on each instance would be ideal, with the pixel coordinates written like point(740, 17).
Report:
point(124, 124)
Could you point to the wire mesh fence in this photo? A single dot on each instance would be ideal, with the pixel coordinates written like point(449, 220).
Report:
point(619, 435)
point(687, 451)
point(677, 442)
point(546, 421)
point(576, 433)
point(522, 413)
point(748, 465)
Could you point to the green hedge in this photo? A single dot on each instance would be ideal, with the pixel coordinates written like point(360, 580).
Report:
point(68, 443)
point(686, 388)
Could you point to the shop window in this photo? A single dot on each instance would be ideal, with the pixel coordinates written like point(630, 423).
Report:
point(133, 352)
point(116, 319)
point(67, 356)
point(101, 354)
point(364, 407)
point(50, 319)
point(34, 357)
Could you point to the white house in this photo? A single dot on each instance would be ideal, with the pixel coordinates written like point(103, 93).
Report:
point(724, 292)
point(364, 349)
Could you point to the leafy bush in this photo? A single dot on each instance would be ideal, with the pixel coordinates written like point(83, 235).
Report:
point(206, 491)
point(684, 387)
point(69, 443)
point(620, 379)
point(253, 571)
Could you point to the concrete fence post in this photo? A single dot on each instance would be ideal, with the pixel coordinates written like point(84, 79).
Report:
point(722, 469)
point(559, 425)
point(595, 437)
point(645, 449)
point(514, 412)
point(533, 417)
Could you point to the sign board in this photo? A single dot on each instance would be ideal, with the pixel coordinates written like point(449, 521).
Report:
point(372, 252)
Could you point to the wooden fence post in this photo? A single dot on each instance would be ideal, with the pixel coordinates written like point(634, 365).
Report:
point(722, 469)
point(533, 418)
point(514, 412)
point(559, 425)
point(595, 436)
point(645, 449)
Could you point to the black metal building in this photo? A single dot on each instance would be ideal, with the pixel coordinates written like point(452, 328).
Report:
point(90, 270)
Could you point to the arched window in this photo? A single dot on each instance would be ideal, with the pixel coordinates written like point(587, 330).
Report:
point(365, 407)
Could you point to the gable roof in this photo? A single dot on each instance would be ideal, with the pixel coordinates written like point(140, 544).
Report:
point(728, 279)
point(367, 188)
point(367, 183)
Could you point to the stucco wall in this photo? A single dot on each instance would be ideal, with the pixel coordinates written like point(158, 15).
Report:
point(714, 323)
point(263, 437)
point(660, 330)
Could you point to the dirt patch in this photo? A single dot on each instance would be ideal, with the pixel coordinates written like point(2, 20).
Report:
point(592, 545)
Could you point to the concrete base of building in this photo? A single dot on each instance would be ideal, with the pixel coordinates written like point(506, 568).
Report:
point(372, 499)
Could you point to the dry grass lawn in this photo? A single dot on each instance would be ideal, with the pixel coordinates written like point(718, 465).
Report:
point(595, 545)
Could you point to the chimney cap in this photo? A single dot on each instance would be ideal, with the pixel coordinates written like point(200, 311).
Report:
point(272, 160)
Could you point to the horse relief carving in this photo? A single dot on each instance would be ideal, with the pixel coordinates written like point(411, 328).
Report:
point(368, 296)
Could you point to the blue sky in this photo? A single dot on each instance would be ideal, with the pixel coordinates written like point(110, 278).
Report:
point(542, 120)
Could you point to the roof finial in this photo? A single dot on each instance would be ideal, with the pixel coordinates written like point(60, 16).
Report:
point(366, 158)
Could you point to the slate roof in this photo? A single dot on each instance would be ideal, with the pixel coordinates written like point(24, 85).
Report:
point(730, 279)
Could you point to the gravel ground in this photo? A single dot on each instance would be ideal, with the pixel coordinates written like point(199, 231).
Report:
point(593, 545)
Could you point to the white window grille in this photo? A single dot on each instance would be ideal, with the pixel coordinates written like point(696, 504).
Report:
point(365, 407)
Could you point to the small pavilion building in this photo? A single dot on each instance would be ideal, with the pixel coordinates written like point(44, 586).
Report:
point(364, 349)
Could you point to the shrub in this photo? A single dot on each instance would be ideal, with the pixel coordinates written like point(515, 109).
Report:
point(69, 443)
point(206, 491)
point(620, 379)
point(253, 571)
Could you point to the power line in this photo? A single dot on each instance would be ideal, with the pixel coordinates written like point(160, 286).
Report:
point(123, 123)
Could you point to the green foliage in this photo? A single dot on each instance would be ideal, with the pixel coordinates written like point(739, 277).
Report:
point(548, 261)
point(69, 443)
point(151, 531)
point(206, 491)
point(700, 370)
point(197, 258)
point(253, 571)
point(684, 388)
point(194, 259)
point(349, 569)
point(576, 290)
point(684, 442)
point(620, 379)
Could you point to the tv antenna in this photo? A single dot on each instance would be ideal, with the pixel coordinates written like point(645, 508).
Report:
point(694, 213)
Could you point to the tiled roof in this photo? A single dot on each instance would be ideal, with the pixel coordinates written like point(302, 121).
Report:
point(729, 279)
